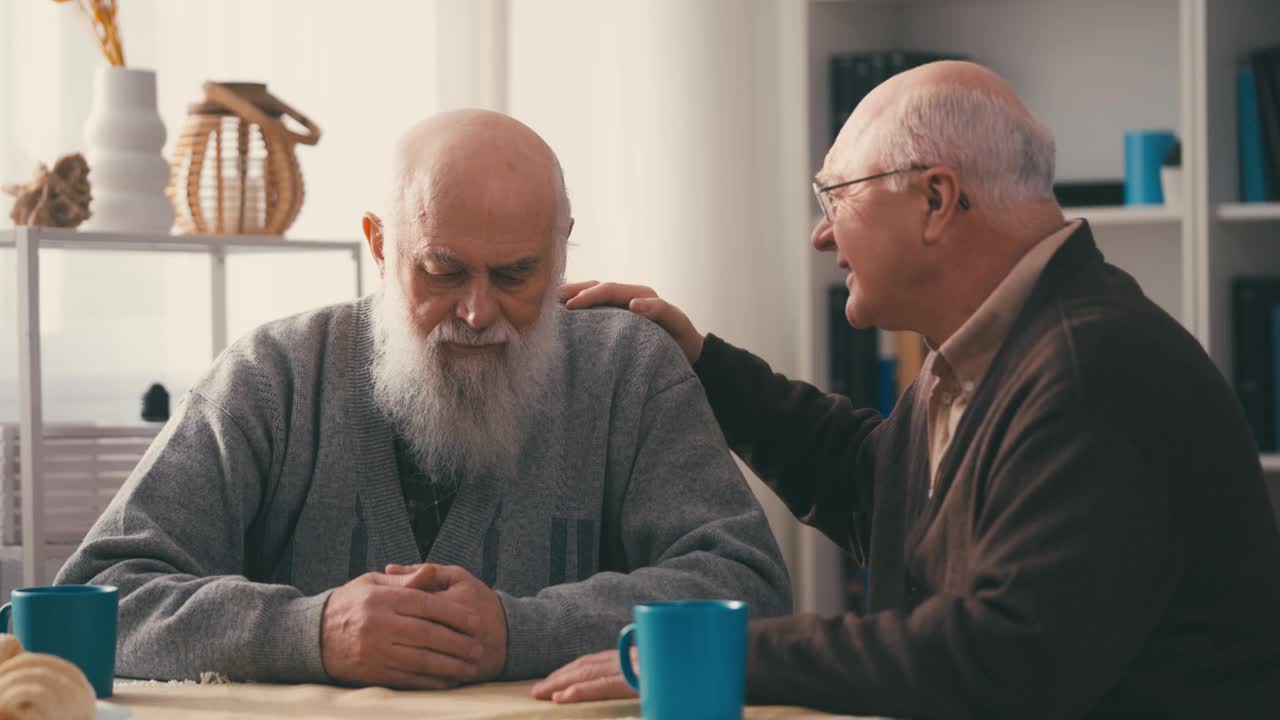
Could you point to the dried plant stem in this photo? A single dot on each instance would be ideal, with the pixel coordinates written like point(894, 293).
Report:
point(101, 15)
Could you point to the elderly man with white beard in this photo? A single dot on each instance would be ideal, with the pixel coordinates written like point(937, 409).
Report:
point(449, 481)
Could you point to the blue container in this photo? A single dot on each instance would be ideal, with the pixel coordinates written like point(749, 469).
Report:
point(75, 622)
point(693, 659)
point(1253, 171)
point(1143, 151)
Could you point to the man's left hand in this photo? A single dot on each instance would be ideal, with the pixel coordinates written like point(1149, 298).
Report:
point(587, 679)
point(456, 584)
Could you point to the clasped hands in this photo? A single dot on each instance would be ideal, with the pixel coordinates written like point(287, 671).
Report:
point(414, 627)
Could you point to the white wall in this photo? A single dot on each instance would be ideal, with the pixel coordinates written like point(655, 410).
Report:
point(1123, 56)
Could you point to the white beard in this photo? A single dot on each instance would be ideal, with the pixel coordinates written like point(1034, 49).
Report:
point(461, 416)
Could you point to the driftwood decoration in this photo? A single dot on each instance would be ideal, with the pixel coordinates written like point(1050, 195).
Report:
point(54, 198)
point(233, 169)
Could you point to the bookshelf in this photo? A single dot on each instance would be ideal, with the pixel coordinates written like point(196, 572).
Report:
point(1089, 69)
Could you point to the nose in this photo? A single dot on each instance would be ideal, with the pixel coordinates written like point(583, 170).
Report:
point(823, 237)
point(477, 307)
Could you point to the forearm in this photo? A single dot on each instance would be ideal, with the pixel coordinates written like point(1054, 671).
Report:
point(174, 542)
point(812, 448)
point(567, 621)
point(952, 657)
point(175, 627)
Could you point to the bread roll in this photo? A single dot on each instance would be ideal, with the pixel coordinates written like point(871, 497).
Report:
point(9, 646)
point(35, 686)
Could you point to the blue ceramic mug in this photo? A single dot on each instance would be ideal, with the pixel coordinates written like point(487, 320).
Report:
point(1143, 152)
point(693, 659)
point(75, 622)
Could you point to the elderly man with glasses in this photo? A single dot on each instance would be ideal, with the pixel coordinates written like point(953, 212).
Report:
point(1064, 515)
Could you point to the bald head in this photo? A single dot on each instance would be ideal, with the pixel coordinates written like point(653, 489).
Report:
point(955, 73)
point(480, 164)
point(955, 113)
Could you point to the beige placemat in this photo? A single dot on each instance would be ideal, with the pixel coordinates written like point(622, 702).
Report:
point(495, 701)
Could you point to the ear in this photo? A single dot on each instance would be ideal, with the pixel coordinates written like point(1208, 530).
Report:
point(372, 226)
point(943, 199)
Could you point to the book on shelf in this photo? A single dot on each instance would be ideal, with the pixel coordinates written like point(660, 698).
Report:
point(854, 354)
point(1253, 170)
point(870, 367)
point(911, 353)
point(1264, 65)
point(1275, 373)
point(886, 371)
point(1253, 300)
point(853, 75)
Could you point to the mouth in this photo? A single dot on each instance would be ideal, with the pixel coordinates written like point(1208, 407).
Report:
point(464, 349)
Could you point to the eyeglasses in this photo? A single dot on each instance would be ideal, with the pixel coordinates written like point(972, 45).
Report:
point(824, 198)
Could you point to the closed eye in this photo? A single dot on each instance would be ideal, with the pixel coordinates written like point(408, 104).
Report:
point(509, 279)
point(515, 274)
point(451, 277)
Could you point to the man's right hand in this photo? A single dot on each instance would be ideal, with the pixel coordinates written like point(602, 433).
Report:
point(642, 301)
point(392, 631)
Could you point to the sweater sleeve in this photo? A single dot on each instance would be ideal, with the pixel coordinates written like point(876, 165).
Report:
point(689, 528)
point(1038, 629)
point(814, 449)
point(173, 540)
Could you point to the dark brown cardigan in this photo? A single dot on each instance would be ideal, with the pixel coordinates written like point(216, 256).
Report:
point(1100, 542)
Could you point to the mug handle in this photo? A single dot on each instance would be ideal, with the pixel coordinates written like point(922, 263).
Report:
point(626, 639)
point(5, 611)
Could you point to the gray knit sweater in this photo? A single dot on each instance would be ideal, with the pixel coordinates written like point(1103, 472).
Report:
point(276, 481)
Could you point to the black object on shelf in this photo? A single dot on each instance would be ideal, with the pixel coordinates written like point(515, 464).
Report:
point(1265, 63)
point(1172, 156)
point(1089, 193)
point(852, 75)
point(155, 404)
point(853, 353)
point(1252, 300)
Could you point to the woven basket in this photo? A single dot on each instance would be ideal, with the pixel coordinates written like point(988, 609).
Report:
point(233, 170)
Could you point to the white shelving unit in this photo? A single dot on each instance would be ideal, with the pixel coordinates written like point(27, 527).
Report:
point(1111, 216)
point(28, 242)
point(1248, 211)
point(1089, 69)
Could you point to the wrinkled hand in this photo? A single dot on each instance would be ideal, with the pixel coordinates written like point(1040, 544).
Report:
point(385, 630)
point(459, 587)
point(587, 679)
point(642, 301)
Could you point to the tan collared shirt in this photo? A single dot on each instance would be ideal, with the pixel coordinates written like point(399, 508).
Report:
point(957, 368)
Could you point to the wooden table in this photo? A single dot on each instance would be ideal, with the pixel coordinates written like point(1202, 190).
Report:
point(495, 701)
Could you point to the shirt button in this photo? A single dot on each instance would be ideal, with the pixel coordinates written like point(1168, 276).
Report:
point(968, 386)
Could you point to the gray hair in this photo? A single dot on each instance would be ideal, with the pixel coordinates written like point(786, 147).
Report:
point(564, 218)
point(1003, 154)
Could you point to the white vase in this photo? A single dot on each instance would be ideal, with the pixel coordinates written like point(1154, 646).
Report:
point(124, 139)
